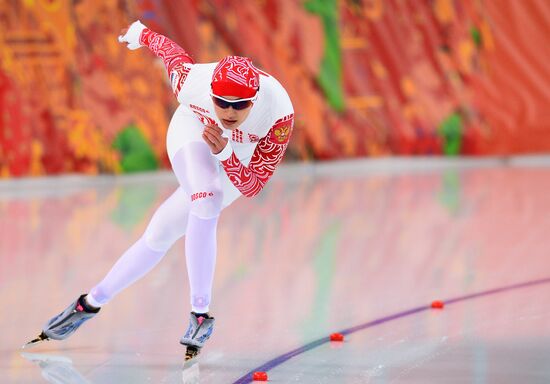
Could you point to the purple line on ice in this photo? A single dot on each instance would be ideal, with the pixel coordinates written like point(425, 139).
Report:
point(247, 378)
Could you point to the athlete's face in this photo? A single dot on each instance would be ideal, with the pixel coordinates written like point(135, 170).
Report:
point(230, 117)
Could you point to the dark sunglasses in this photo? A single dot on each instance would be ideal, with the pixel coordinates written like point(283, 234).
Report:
point(238, 105)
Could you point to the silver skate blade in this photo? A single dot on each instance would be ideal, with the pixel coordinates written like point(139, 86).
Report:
point(42, 337)
point(45, 358)
point(190, 373)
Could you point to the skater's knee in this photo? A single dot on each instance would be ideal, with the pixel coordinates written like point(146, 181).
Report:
point(207, 204)
point(158, 241)
point(161, 236)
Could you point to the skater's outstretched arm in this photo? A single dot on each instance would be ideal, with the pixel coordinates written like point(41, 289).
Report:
point(176, 60)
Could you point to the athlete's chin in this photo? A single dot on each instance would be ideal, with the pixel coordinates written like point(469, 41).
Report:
point(230, 124)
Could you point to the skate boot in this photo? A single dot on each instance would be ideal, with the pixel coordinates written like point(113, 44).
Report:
point(67, 322)
point(199, 331)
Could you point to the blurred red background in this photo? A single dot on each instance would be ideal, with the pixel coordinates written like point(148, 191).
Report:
point(367, 78)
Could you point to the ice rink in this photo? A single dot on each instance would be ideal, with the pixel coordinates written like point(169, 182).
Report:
point(359, 247)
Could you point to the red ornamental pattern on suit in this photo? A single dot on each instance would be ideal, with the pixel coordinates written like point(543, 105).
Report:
point(237, 135)
point(177, 78)
point(267, 155)
point(173, 56)
point(237, 69)
point(205, 120)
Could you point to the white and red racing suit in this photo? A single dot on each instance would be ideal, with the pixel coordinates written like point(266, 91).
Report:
point(257, 146)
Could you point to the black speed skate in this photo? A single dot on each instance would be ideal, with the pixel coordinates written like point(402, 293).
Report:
point(199, 331)
point(66, 323)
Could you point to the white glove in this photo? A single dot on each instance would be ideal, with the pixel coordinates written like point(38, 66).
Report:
point(132, 35)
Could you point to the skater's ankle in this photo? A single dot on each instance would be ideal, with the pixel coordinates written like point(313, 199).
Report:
point(87, 306)
point(92, 302)
point(201, 314)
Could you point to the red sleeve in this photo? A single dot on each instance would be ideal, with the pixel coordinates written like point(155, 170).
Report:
point(173, 56)
point(267, 155)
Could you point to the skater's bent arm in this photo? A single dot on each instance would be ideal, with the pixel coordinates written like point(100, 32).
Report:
point(267, 156)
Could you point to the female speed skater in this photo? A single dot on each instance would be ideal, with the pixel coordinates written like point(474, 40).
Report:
point(225, 140)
